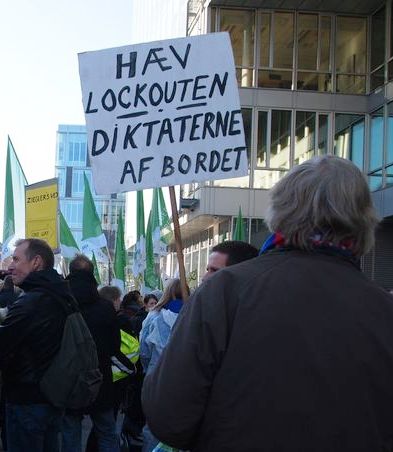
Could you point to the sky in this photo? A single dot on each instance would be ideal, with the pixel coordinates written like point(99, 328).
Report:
point(39, 78)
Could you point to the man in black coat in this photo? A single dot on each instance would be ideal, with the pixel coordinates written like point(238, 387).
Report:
point(30, 337)
point(100, 317)
point(291, 351)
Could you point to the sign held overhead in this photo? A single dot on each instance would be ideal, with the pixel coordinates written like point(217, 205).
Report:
point(163, 113)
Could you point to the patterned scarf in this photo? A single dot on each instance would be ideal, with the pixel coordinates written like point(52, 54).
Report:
point(343, 248)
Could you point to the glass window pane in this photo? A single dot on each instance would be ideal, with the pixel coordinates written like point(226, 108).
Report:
point(259, 232)
point(247, 123)
point(213, 20)
point(349, 137)
point(244, 77)
point(389, 176)
point(305, 136)
point(390, 69)
point(389, 147)
point(322, 134)
point(357, 144)
point(351, 45)
point(264, 34)
point(266, 178)
point(391, 28)
point(376, 140)
point(375, 180)
point(378, 38)
point(351, 84)
point(377, 78)
point(283, 40)
point(307, 41)
point(240, 25)
point(262, 139)
point(275, 79)
point(325, 33)
point(314, 81)
point(280, 139)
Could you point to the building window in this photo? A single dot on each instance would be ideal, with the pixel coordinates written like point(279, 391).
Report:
point(73, 212)
point(61, 176)
point(259, 232)
point(376, 140)
point(313, 41)
point(76, 149)
point(262, 139)
point(349, 138)
point(266, 179)
point(351, 50)
point(78, 182)
point(389, 146)
point(245, 180)
point(241, 27)
point(280, 138)
point(322, 134)
point(305, 136)
point(283, 40)
point(276, 50)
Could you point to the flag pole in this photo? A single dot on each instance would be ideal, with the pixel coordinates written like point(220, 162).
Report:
point(178, 242)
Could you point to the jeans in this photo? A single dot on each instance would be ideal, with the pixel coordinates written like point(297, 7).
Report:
point(149, 440)
point(104, 428)
point(33, 428)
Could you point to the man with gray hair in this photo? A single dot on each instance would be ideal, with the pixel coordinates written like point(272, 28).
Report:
point(292, 351)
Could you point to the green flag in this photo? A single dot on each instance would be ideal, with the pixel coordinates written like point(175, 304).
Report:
point(239, 233)
point(96, 272)
point(159, 220)
point(68, 245)
point(14, 201)
point(165, 221)
point(92, 236)
point(152, 280)
point(120, 256)
point(139, 264)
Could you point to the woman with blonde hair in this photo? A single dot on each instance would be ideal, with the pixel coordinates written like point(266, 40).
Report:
point(156, 330)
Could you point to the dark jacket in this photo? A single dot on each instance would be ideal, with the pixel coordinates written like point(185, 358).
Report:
point(288, 352)
point(100, 316)
point(30, 336)
point(7, 297)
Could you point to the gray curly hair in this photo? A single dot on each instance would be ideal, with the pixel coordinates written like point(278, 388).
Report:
point(328, 195)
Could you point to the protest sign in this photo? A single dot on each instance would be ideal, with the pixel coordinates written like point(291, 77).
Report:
point(41, 211)
point(163, 113)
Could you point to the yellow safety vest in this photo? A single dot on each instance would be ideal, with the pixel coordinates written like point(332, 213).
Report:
point(130, 348)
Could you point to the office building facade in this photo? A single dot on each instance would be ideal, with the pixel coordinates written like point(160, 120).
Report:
point(314, 78)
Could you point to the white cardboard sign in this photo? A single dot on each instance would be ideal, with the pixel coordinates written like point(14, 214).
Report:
point(163, 113)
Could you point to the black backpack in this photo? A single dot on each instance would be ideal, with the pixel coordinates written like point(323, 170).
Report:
point(73, 379)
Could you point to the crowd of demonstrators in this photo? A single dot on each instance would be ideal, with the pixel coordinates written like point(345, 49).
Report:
point(295, 340)
point(292, 350)
point(155, 335)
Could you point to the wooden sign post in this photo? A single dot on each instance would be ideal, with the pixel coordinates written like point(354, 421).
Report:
point(178, 243)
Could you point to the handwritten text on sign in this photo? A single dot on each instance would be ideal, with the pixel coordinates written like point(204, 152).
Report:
point(163, 113)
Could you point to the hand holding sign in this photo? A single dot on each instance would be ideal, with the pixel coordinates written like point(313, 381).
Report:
point(163, 113)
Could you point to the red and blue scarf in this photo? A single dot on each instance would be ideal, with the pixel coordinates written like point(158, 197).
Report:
point(317, 243)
